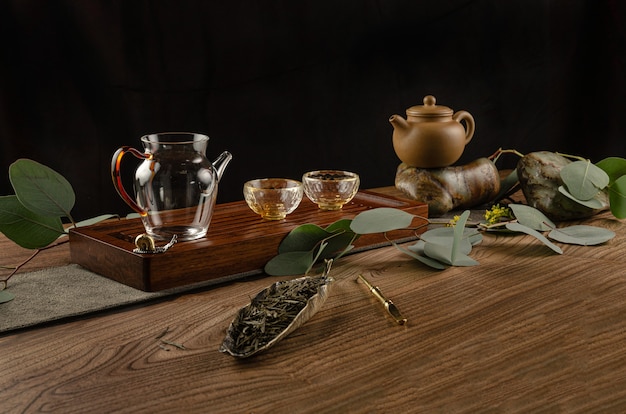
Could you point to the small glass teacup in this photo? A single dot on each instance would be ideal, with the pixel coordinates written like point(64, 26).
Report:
point(330, 189)
point(273, 198)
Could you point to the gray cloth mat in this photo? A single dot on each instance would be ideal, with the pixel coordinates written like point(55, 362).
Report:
point(68, 291)
point(59, 293)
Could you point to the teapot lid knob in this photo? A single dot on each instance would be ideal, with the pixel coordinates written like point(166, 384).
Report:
point(429, 100)
point(429, 109)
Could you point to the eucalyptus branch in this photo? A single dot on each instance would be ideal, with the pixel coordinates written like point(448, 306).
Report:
point(5, 281)
point(496, 155)
point(348, 247)
point(574, 157)
point(486, 226)
point(71, 219)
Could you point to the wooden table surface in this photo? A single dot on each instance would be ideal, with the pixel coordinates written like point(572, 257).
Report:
point(527, 330)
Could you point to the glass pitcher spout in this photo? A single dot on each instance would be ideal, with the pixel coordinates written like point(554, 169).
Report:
point(221, 163)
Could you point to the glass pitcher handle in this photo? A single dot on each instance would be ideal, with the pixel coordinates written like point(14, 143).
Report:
point(117, 179)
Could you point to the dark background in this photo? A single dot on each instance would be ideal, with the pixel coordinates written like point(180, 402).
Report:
point(290, 86)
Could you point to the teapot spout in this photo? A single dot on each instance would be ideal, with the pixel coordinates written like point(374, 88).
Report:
point(221, 163)
point(398, 122)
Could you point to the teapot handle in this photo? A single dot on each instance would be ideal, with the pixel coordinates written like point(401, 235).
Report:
point(117, 180)
point(469, 123)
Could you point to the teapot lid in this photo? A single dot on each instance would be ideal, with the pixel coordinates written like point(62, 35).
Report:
point(429, 108)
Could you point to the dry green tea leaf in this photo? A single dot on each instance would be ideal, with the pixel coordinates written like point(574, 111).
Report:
point(274, 313)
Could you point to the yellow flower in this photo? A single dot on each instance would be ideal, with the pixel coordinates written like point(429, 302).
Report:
point(453, 221)
point(497, 213)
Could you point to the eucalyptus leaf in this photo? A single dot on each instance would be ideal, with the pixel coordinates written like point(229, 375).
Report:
point(520, 228)
point(91, 221)
point(41, 189)
point(424, 259)
point(417, 247)
point(531, 217)
point(583, 235)
point(290, 263)
point(508, 184)
point(303, 238)
point(380, 220)
point(583, 179)
point(446, 233)
point(6, 296)
point(95, 220)
point(593, 203)
point(473, 236)
point(308, 243)
point(316, 256)
point(308, 237)
point(615, 167)
point(459, 228)
point(340, 239)
point(445, 236)
point(343, 224)
point(617, 197)
point(25, 228)
point(444, 255)
point(336, 244)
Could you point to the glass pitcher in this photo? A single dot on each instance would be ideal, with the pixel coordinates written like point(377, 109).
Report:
point(175, 184)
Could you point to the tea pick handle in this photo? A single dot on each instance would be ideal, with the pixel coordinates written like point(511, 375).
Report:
point(389, 305)
point(145, 244)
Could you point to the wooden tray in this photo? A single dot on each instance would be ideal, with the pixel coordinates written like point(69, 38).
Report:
point(239, 243)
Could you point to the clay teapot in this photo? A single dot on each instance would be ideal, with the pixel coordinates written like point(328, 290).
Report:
point(432, 136)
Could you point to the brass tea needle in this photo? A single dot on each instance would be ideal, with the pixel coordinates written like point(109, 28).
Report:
point(389, 306)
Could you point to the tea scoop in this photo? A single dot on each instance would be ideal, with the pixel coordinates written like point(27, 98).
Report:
point(275, 312)
point(390, 307)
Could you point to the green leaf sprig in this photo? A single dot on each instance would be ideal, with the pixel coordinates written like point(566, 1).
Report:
point(583, 182)
point(32, 217)
point(533, 222)
point(447, 246)
point(437, 248)
point(308, 243)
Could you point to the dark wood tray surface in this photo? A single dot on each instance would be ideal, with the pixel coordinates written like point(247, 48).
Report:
point(239, 243)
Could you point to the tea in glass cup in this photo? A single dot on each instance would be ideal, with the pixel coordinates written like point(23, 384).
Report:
point(330, 189)
point(273, 198)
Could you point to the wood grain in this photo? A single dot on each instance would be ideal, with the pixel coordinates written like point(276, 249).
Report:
point(525, 331)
